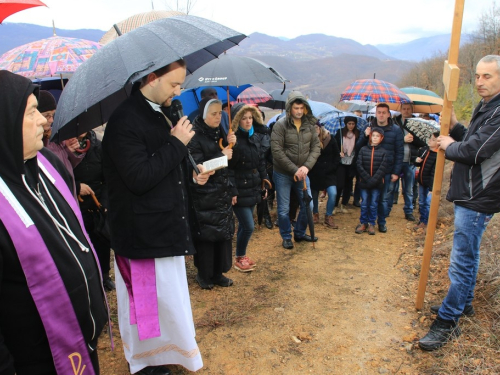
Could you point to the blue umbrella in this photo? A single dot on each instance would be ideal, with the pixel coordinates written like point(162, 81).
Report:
point(334, 121)
point(102, 82)
point(191, 98)
point(319, 108)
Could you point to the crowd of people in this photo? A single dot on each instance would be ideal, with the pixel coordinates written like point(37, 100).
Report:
point(162, 204)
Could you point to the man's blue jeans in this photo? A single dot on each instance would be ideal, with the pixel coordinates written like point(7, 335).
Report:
point(283, 185)
point(464, 261)
point(408, 179)
point(245, 228)
point(424, 203)
point(386, 199)
point(369, 205)
point(330, 204)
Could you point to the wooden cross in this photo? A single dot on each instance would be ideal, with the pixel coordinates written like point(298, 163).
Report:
point(450, 79)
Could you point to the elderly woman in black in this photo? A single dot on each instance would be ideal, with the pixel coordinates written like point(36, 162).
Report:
point(212, 201)
point(247, 169)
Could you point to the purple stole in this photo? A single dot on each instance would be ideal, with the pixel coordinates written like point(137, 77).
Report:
point(68, 347)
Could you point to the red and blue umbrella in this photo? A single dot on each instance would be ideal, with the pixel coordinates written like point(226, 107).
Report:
point(253, 95)
point(374, 90)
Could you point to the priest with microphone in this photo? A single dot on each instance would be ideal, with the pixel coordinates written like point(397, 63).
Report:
point(147, 168)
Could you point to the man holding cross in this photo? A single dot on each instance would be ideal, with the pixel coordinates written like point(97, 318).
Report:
point(475, 192)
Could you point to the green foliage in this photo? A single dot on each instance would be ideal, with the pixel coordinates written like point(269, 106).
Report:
point(466, 101)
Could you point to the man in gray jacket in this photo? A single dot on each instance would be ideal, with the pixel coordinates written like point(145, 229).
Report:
point(295, 147)
point(475, 192)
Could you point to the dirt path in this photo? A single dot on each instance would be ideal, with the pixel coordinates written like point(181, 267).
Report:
point(346, 307)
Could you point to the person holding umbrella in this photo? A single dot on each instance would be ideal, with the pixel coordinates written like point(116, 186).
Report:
point(295, 147)
point(146, 167)
point(247, 171)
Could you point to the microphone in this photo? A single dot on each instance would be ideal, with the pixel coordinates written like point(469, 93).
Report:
point(176, 113)
point(176, 110)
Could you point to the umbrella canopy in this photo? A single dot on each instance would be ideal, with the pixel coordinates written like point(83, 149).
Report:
point(103, 82)
point(9, 7)
point(422, 129)
point(232, 70)
point(319, 108)
point(54, 56)
point(191, 98)
point(278, 100)
point(135, 21)
point(253, 95)
point(424, 101)
point(374, 90)
point(334, 121)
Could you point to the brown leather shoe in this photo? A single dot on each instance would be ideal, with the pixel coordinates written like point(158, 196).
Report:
point(316, 218)
point(330, 223)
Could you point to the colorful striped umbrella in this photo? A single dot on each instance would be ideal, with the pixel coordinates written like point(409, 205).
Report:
point(54, 56)
point(424, 101)
point(374, 90)
point(135, 21)
point(9, 7)
point(253, 95)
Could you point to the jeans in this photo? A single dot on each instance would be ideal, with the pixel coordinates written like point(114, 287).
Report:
point(386, 199)
point(464, 261)
point(424, 203)
point(369, 205)
point(283, 184)
point(407, 182)
point(330, 204)
point(246, 226)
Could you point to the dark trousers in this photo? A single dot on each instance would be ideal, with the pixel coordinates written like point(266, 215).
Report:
point(212, 259)
point(344, 183)
point(101, 246)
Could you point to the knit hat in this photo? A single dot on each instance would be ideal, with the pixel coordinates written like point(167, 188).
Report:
point(236, 108)
point(204, 104)
point(350, 118)
point(46, 101)
point(377, 130)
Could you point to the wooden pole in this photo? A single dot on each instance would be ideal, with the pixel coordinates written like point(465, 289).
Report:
point(451, 74)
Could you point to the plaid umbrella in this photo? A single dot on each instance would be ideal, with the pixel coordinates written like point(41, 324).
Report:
point(48, 57)
point(334, 121)
point(253, 95)
point(374, 90)
point(9, 7)
point(135, 21)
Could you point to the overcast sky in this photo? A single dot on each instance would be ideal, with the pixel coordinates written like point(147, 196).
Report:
point(365, 21)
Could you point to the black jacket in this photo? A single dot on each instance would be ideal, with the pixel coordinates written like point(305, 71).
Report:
point(324, 172)
point(372, 166)
point(212, 201)
point(393, 142)
point(427, 167)
point(24, 347)
point(147, 176)
point(247, 167)
point(475, 180)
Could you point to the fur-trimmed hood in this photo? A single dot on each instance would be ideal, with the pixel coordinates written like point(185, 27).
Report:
point(239, 109)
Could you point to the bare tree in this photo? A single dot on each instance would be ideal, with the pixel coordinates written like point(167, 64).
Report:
point(185, 6)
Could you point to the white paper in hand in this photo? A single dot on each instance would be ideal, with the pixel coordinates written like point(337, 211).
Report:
point(214, 164)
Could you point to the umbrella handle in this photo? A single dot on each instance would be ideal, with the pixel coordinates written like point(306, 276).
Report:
point(229, 145)
point(304, 180)
point(266, 182)
point(97, 203)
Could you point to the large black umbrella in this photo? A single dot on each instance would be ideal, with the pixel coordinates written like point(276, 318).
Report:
point(278, 100)
point(261, 207)
point(306, 198)
point(101, 83)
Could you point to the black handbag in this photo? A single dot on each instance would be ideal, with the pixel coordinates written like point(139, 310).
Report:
point(100, 217)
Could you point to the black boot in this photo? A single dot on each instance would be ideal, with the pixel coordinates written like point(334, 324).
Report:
point(109, 285)
point(439, 334)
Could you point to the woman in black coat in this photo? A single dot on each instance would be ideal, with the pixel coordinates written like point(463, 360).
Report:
point(323, 176)
point(212, 201)
point(89, 179)
point(247, 169)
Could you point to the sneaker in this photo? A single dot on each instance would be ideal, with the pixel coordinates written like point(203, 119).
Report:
point(223, 281)
point(267, 222)
point(468, 310)
point(203, 283)
point(109, 285)
point(371, 229)
point(409, 217)
point(439, 334)
point(306, 238)
point(316, 218)
point(382, 228)
point(420, 225)
point(287, 244)
point(361, 228)
point(242, 264)
point(330, 223)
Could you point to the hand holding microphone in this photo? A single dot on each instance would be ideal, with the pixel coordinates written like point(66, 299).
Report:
point(182, 129)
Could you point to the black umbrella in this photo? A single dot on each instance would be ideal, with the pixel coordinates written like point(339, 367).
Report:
point(307, 202)
point(101, 83)
point(278, 100)
point(262, 205)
